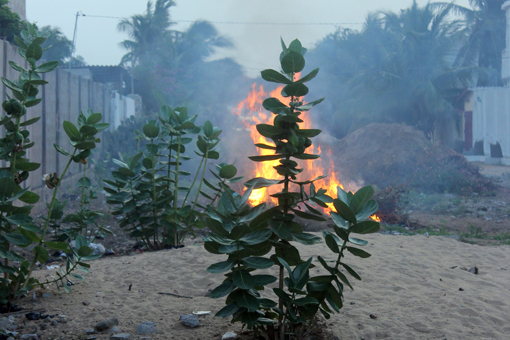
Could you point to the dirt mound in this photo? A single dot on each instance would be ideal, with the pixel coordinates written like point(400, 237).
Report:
point(378, 153)
point(389, 154)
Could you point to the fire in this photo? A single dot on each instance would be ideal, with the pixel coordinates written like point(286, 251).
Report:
point(251, 112)
point(375, 218)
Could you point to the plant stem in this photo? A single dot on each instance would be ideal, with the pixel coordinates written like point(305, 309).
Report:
point(202, 178)
point(45, 229)
point(83, 186)
point(194, 180)
point(169, 163)
point(154, 210)
point(176, 183)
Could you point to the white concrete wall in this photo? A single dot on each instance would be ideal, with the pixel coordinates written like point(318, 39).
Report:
point(491, 117)
point(121, 108)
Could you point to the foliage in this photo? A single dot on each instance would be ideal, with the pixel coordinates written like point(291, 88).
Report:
point(10, 22)
point(17, 228)
point(170, 65)
point(398, 68)
point(146, 187)
point(441, 170)
point(486, 30)
point(245, 234)
point(62, 48)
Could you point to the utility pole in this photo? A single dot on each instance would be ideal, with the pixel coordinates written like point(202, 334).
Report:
point(79, 13)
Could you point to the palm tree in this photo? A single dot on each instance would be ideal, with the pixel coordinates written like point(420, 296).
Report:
point(485, 37)
point(399, 68)
point(148, 32)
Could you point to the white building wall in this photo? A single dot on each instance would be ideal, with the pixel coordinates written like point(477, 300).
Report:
point(121, 108)
point(491, 117)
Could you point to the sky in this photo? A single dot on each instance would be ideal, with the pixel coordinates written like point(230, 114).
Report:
point(250, 24)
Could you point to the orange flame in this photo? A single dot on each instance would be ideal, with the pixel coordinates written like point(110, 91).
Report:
point(375, 218)
point(251, 112)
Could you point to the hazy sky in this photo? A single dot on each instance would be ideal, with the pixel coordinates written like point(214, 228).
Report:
point(256, 46)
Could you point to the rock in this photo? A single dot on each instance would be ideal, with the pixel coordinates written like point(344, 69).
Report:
point(90, 331)
point(104, 325)
point(208, 293)
point(42, 326)
point(46, 295)
point(229, 335)
point(29, 337)
point(109, 252)
point(473, 270)
point(7, 324)
point(120, 336)
point(54, 322)
point(190, 320)
point(114, 330)
point(147, 327)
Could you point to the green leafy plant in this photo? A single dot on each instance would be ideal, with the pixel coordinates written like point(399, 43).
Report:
point(17, 228)
point(245, 234)
point(148, 189)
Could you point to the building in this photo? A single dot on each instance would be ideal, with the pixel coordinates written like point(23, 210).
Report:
point(487, 112)
point(19, 6)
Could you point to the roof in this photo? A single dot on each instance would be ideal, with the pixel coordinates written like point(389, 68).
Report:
point(107, 74)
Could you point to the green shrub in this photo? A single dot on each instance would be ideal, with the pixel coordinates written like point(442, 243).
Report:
point(17, 228)
point(245, 234)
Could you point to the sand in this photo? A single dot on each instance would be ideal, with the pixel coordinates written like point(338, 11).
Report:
point(411, 283)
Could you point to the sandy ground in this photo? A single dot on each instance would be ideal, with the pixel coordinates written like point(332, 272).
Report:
point(411, 283)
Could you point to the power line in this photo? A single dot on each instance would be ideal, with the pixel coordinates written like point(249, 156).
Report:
point(248, 23)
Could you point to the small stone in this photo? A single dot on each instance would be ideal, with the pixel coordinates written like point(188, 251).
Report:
point(473, 270)
point(120, 336)
point(114, 330)
point(29, 337)
point(7, 324)
point(148, 327)
point(229, 335)
point(46, 295)
point(208, 293)
point(54, 322)
point(104, 325)
point(85, 303)
point(109, 252)
point(190, 320)
point(89, 331)
point(62, 320)
point(10, 338)
point(42, 326)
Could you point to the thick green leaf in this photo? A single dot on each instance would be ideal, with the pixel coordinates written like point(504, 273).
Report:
point(275, 77)
point(246, 300)
point(358, 241)
point(308, 106)
point(361, 196)
point(27, 166)
point(256, 237)
point(263, 280)
point(281, 228)
point(309, 76)
point(223, 290)
point(41, 254)
point(150, 130)
point(47, 67)
point(208, 129)
point(30, 121)
point(85, 251)
point(332, 244)
point(227, 311)
point(293, 62)
point(94, 118)
point(17, 239)
point(295, 90)
point(258, 262)
point(305, 238)
point(29, 197)
point(269, 131)
point(60, 150)
point(71, 131)
point(358, 252)
point(368, 210)
point(274, 105)
point(308, 216)
point(309, 133)
point(243, 280)
point(33, 102)
point(18, 219)
point(365, 227)
point(351, 271)
point(344, 211)
point(220, 267)
point(88, 130)
point(58, 245)
point(227, 171)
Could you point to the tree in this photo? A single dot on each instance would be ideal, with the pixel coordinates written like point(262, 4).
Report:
point(10, 22)
point(399, 68)
point(486, 31)
point(146, 31)
point(62, 48)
